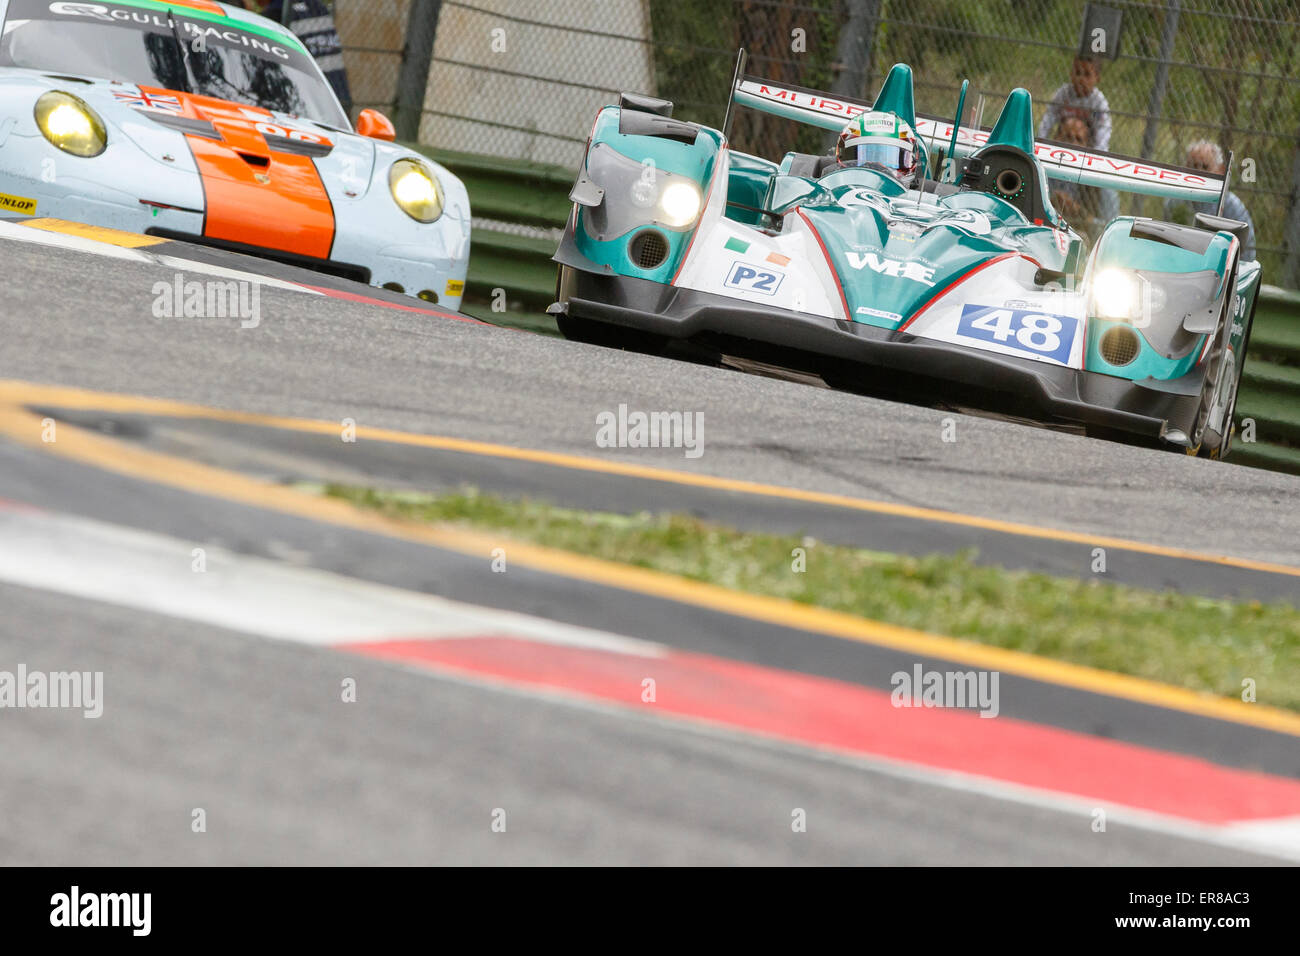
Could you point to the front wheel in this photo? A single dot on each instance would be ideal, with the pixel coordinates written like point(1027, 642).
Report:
point(1212, 433)
point(1215, 442)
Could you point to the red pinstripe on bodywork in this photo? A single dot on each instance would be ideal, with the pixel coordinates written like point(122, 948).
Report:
point(696, 231)
point(953, 284)
point(844, 302)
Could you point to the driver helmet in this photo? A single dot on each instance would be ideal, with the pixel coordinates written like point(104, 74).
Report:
point(881, 141)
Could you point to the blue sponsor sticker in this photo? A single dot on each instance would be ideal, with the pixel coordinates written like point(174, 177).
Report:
point(1026, 330)
point(752, 278)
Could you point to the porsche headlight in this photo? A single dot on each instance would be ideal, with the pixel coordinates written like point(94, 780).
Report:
point(70, 124)
point(680, 203)
point(415, 189)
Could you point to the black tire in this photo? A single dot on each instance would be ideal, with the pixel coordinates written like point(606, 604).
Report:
point(1207, 442)
point(1241, 371)
point(1215, 444)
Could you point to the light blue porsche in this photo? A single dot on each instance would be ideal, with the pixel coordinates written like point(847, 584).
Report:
point(198, 121)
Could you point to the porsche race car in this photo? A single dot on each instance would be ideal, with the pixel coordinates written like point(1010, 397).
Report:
point(199, 121)
point(963, 284)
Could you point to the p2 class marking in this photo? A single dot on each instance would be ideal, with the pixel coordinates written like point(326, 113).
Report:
point(753, 279)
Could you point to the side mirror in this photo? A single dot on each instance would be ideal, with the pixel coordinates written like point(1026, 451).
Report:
point(376, 125)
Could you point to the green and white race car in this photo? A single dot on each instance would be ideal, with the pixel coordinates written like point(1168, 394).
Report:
point(879, 273)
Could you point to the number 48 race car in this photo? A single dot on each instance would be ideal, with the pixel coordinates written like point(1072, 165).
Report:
point(868, 268)
point(199, 121)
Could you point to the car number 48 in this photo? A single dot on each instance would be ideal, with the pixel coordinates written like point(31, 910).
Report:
point(1024, 330)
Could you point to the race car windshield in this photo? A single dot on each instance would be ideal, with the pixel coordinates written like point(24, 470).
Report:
point(134, 45)
point(893, 158)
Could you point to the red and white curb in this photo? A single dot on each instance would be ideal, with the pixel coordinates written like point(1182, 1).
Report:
point(1002, 757)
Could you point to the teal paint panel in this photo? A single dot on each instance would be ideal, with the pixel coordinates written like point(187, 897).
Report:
point(1015, 125)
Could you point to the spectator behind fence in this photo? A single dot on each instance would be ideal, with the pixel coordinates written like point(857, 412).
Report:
point(1080, 98)
point(1208, 157)
point(313, 24)
point(1087, 208)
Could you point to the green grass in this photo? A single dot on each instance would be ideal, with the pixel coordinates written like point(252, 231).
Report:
point(1193, 642)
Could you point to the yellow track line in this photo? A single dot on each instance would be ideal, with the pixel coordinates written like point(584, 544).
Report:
point(24, 393)
point(111, 455)
point(114, 237)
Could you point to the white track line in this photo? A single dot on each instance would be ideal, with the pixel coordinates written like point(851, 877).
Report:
point(43, 237)
point(104, 562)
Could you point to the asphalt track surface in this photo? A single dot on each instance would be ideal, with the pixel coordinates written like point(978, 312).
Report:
point(76, 320)
point(249, 728)
point(286, 455)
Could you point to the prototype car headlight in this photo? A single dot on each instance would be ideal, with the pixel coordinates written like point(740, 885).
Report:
point(1128, 296)
point(1116, 294)
point(415, 189)
point(680, 203)
point(70, 124)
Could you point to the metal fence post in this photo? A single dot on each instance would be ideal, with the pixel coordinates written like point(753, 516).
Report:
point(1168, 34)
point(1291, 238)
point(413, 79)
point(853, 54)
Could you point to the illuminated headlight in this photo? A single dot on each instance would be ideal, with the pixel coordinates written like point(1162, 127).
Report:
point(416, 190)
point(680, 204)
point(1116, 294)
point(1123, 295)
point(70, 124)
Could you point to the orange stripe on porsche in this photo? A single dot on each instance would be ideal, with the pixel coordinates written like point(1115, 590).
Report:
point(290, 211)
point(255, 195)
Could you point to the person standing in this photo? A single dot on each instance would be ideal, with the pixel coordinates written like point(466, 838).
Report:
point(1081, 99)
point(313, 23)
point(1087, 208)
point(1207, 156)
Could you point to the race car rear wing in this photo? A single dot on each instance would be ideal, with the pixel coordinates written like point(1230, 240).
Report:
point(1063, 161)
point(1060, 161)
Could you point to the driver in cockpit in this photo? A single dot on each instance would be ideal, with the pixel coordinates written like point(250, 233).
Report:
point(882, 142)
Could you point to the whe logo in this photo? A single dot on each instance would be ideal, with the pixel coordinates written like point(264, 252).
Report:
point(891, 267)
